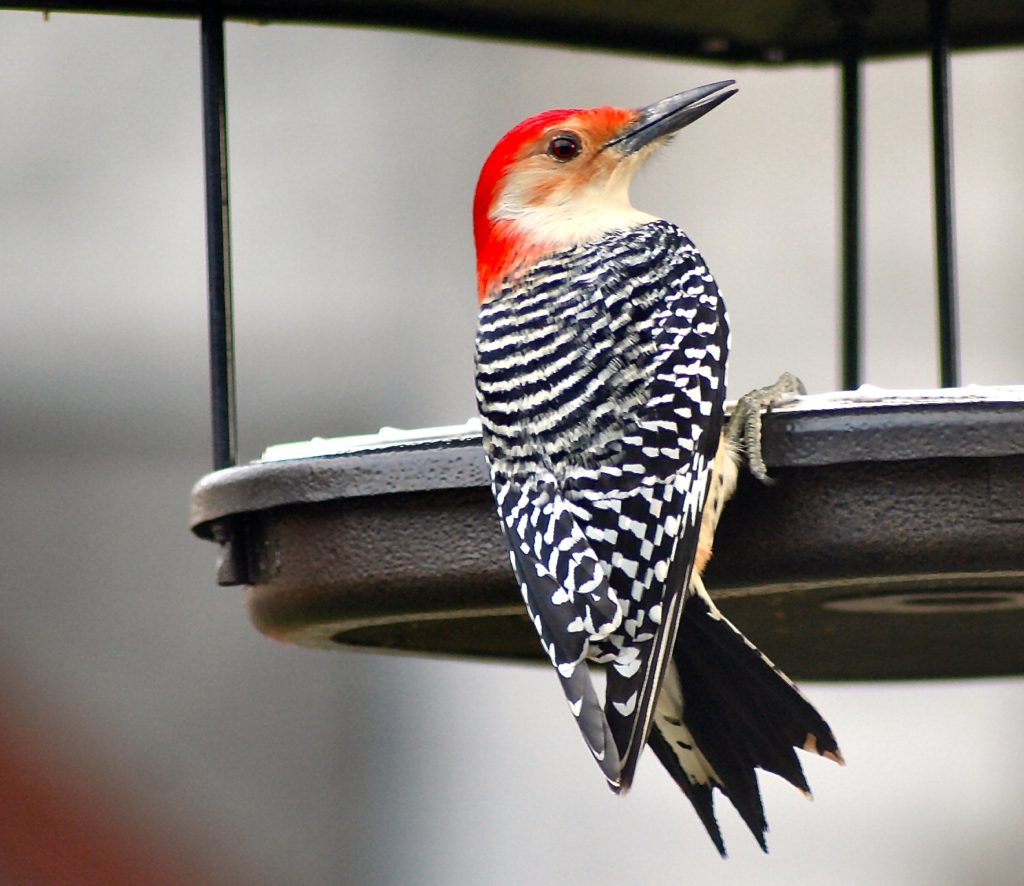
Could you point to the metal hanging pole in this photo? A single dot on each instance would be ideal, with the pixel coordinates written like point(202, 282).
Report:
point(945, 236)
point(851, 224)
point(218, 237)
point(232, 569)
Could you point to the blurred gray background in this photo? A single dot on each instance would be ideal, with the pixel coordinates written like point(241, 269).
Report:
point(353, 158)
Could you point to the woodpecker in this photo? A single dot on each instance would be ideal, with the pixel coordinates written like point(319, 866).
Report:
point(600, 371)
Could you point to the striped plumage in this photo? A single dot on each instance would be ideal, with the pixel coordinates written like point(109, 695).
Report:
point(601, 379)
point(569, 353)
point(601, 356)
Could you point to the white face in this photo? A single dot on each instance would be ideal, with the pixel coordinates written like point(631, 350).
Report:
point(566, 188)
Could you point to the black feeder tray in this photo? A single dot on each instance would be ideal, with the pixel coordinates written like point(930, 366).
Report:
point(890, 546)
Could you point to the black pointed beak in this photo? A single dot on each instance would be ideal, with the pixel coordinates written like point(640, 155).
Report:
point(670, 115)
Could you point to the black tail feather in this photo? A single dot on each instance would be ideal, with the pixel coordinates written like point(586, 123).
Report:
point(699, 794)
point(742, 713)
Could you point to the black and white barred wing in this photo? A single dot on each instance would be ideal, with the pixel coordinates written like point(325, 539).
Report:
point(568, 598)
point(599, 379)
point(674, 442)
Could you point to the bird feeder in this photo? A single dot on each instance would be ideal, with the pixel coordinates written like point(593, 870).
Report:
point(892, 543)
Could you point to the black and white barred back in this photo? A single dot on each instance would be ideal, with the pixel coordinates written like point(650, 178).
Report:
point(600, 383)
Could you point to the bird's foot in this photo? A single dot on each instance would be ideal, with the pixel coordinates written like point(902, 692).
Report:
point(744, 428)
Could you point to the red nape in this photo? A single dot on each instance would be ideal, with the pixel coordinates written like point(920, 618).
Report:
point(499, 246)
point(496, 251)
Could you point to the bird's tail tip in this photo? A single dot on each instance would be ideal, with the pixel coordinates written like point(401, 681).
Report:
point(735, 713)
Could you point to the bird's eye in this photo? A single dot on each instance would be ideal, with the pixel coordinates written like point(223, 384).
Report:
point(564, 146)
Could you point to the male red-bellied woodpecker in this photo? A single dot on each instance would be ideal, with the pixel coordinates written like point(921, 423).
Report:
point(601, 356)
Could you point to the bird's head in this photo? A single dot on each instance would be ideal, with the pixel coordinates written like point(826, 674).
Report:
point(562, 178)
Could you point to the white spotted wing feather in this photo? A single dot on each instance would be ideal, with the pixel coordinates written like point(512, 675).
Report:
point(600, 379)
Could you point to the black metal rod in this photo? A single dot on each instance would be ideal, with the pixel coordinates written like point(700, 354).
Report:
point(945, 236)
point(218, 238)
point(851, 222)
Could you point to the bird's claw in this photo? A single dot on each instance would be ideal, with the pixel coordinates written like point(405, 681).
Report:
point(744, 429)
